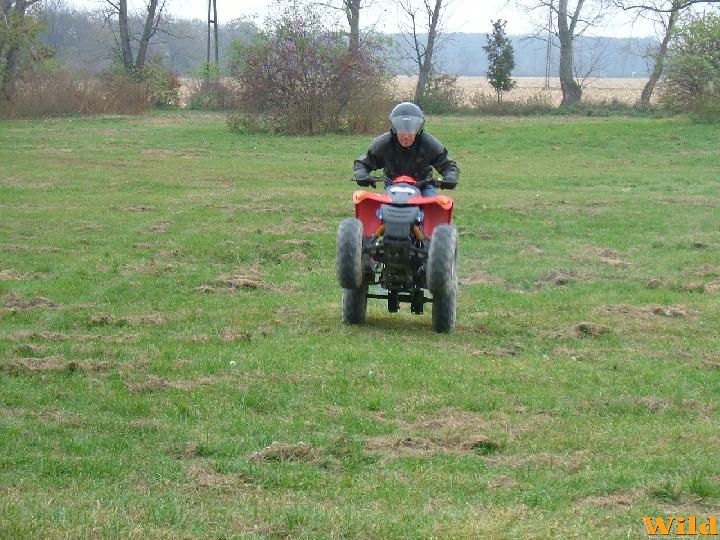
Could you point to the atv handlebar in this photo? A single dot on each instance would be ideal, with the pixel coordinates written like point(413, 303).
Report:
point(373, 181)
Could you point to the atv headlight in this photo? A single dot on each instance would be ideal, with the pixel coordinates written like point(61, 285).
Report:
point(378, 214)
point(420, 216)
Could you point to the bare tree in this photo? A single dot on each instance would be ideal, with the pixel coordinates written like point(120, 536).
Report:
point(351, 9)
point(421, 34)
point(571, 19)
point(153, 18)
point(664, 14)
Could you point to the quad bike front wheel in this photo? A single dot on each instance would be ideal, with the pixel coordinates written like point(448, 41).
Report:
point(441, 277)
point(348, 263)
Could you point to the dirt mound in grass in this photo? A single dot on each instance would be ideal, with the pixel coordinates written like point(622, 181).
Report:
point(286, 452)
point(13, 301)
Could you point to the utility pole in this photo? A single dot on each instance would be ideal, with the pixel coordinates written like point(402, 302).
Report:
point(548, 55)
point(212, 29)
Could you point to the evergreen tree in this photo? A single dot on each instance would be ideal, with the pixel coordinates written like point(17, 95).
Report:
point(501, 59)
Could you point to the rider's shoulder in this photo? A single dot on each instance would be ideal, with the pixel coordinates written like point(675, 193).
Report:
point(381, 140)
point(430, 141)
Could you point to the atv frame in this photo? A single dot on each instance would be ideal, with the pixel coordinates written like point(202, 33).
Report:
point(406, 244)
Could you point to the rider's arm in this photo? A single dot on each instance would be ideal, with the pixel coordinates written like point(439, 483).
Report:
point(371, 160)
point(443, 163)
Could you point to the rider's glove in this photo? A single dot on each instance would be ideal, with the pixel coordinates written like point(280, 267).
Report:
point(448, 184)
point(365, 181)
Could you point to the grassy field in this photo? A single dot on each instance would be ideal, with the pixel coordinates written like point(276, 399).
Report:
point(172, 362)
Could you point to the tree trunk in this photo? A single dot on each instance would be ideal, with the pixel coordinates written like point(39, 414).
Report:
point(659, 58)
point(126, 55)
point(426, 66)
point(352, 10)
point(13, 17)
point(12, 63)
point(148, 32)
point(571, 90)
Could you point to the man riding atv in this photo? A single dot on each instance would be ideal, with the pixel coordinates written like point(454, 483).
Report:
point(407, 150)
point(401, 240)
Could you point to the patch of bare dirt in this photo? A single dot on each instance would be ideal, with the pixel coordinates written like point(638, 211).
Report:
point(621, 499)
point(108, 319)
point(296, 242)
point(257, 208)
point(533, 251)
point(608, 256)
point(278, 451)
point(481, 278)
point(240, 281)
point(159, 228)
point(153, 268)
point(30, 350)
point(571, 462)
point(688, 505)
point(449, 418)
point(313, 225)
point(229, 335)
point(503, 482)
point(706, 270)
point(155, 384)
point(11, 248)
point(657, 404)
point(203, 477)
point(712, 288)
point(14, 275)
point(710, 361)
point(137, 208)
point(449, 430)
point(296, 256)
point(82, 338)
point(243, 280)
point(14, 301)
point(560, 278)
point(55, 363)
point(646, 312)
point(589, 329)
point(397, 446)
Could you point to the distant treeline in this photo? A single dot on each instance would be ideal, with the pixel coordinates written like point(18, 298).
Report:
point(83, 41)
point(462, 54)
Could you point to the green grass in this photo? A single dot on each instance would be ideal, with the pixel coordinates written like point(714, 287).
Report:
point(172, 362)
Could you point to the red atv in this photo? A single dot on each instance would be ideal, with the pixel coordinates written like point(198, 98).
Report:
point(404, 243)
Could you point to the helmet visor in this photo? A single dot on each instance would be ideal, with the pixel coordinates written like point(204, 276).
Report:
point(406, 124)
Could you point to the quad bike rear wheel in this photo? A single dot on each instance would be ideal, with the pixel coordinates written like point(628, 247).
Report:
point(348, 263)
point(354, 305)
point(441, 277)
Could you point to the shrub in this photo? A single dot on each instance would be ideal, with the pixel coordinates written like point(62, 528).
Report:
point(692, 70)
point(303, 76)
point(57, 92)
point(243, 123)
point(443, 94)
point(162, 86)
point(483, 103)
point(209, 90)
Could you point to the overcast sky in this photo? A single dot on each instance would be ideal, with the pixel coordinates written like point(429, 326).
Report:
point(471, 16)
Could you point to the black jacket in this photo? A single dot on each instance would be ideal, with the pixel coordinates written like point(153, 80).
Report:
point(417, 161)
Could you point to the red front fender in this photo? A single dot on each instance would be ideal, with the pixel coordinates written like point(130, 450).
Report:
point(437, 209)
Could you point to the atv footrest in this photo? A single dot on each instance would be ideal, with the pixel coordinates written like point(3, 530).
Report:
point(401, 297)
point(416, 301)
